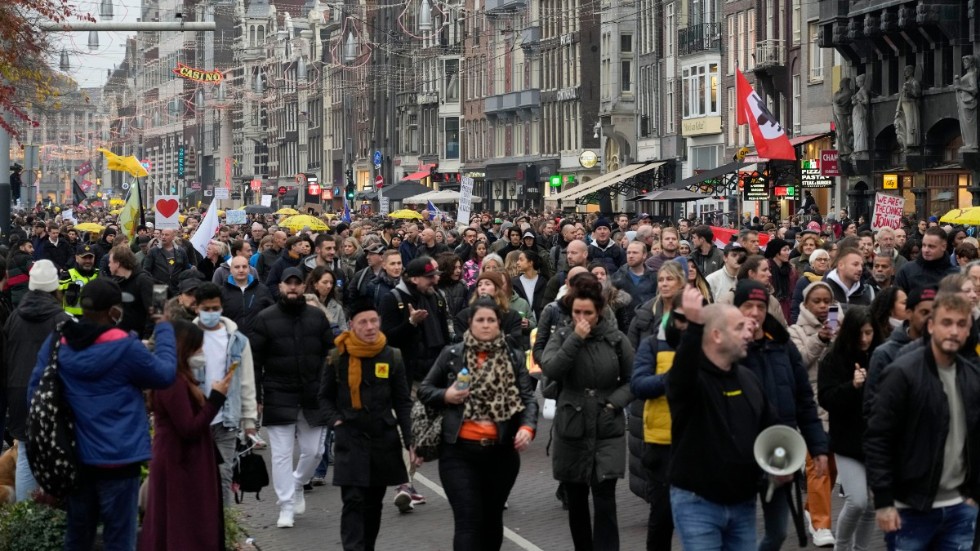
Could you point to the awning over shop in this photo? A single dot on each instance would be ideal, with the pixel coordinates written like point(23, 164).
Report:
point(403, 189)
point(425, 171)
point(605, 181)
point(438, 197)
point(671, 196)
point(709, 174)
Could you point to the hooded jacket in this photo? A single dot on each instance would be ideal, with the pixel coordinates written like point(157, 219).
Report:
point(105, 371)
point(803, 333)
point(26, 330)
point(243, 305)
point(275, 273)
point(590, 426)
point(881, 358)
point(610, 255)
point(708, 263)
point(240, 403)
point(862, 293)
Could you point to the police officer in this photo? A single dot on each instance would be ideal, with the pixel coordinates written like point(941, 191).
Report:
point(75, 278)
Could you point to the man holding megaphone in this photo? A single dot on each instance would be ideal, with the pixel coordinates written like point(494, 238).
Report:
point(717, 409)
point(774, 359)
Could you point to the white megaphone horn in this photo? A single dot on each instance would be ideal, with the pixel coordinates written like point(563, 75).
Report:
point(780, 451)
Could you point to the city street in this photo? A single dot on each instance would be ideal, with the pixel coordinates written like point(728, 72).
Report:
point(535, 520)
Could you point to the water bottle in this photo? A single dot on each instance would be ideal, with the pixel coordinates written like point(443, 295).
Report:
point(463, 379)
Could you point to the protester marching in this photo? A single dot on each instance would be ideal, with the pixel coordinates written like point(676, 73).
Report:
point(809, 373)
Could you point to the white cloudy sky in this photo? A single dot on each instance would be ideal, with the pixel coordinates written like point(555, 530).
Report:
point(88, 67)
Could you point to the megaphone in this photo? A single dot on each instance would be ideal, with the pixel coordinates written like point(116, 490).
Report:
point(780, 451)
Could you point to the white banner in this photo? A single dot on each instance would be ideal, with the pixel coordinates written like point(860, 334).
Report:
point(235, 217)
point(384, 203)
point(888, 211)
point(220, 193)
point(465, 201)
point(167, 210)
point(266, 200)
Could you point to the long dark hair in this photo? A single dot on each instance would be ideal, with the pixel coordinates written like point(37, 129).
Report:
point(314, 278)
point(190, 339)
point(881, 310)
point(846, 345)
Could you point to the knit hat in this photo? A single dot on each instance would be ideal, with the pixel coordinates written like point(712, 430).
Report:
point(361, 305)
point(602, 222)
point(776, 245)
point(43, 277)
point(750, 289)
point(933, 219)
point(814, 226)
point(685, 243)
point(920, 294)
point(809, 289)
point(112, 231)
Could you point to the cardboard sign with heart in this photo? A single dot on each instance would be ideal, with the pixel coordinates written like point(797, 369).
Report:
point(167, 208)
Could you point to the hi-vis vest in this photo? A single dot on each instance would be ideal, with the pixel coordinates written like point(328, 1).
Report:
point(71, 289)
point(656, 413)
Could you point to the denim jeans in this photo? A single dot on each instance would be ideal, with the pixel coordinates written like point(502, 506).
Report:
point(708, 526)
point(477, 481)
point(941, 529)
point(775, 513)
point(225, 441)
point(113, 502)
point(325, 447)
point(25, 483)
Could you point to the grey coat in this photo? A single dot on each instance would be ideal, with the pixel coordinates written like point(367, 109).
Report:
point(589, 437)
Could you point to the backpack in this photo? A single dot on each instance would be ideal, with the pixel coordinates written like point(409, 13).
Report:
point(52, 447)
point(249, 473)
point(443, 307)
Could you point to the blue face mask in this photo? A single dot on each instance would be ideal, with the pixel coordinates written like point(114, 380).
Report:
point(210, 319)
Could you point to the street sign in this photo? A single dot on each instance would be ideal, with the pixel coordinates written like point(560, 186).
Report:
point(282, 191)
point(829, 165)
point(811, 175)
point(379, 181)
point(889, 181)
point(377, 158)
point(220, 193)
point(255, 185)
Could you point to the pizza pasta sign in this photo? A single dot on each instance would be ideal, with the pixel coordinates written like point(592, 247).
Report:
point(197, 75)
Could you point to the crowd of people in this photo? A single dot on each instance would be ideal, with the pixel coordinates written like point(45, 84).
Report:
point(665, 349)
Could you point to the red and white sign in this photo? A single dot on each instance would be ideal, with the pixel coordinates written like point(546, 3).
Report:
point(888, 211)
point(167, 209)
point(723, 236)
point(255, 185)
point(828, 163)
point(85, 168)
point(379, 181)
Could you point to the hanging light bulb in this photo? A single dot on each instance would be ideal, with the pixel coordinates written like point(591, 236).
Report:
point(105, 10)
point(350, 48)
point(301, 68)
point(93, 40)
point(63, 63)
point(425, 16)
point(259, 88)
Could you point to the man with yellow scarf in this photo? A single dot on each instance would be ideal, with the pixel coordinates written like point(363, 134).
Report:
point(365, 392)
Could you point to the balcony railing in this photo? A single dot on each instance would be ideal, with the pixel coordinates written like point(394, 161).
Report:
point(705, 37)
point(770, 53)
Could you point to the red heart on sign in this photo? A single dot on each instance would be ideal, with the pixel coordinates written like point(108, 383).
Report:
point(167, 207)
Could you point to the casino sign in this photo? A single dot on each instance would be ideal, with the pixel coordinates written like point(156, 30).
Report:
point(197, 75)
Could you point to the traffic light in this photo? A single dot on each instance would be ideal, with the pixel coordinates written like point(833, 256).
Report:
point(350, 191)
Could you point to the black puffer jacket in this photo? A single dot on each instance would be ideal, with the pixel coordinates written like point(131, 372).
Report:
point(136, 314)
point(457, 295)
point(923, 273)
point(290, 343)
point(26, 330)
point(243, 305)
point(443, 373)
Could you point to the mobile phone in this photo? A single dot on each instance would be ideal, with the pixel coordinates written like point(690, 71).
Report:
point(832, 317)
point(159, 298)
point(233, 367)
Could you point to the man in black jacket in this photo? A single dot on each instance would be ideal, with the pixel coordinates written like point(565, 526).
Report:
point(925, 420)
point(243, 296)
point(717, 409)
point(931, 266)
point(166, 262)
point(57, 250)
point(777, 364)
point(290, 341)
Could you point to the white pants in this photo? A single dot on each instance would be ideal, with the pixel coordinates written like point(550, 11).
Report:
point(284, 478)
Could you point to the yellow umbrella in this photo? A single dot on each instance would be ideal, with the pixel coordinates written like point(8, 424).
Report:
point(221, 213)
point(116, 202)
point(405, 214)
point(89, 227)
point(181, 218)
point(115, 212)
point(962, 217)
point(300, 221)
point(286, 211)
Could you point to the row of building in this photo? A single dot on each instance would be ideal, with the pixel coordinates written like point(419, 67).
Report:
point(582, 101)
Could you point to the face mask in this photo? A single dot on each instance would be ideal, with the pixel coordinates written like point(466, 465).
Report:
point(209, 319)
point(197, 361)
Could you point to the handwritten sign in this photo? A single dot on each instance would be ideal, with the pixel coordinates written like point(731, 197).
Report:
point(465, 200)
point(888, 211)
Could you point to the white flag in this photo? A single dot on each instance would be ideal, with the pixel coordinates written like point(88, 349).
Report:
point(206, 230)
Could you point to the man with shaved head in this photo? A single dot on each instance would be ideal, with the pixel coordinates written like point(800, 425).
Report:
point(576, 254)
point(428, 246)
point(717, 409)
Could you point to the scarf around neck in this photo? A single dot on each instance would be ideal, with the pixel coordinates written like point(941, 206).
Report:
point(494, 395)
point(357, 350)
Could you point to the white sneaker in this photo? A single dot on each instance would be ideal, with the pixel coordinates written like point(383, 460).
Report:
point(823, 538)
point(403, 500)
point(299, 501)
point(809, 522)
point(285, 519)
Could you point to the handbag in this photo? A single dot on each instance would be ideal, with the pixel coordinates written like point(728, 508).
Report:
point(52, 448)
point(249, 473)
point(426, 431)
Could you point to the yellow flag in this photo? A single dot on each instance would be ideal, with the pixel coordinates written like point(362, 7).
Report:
point(124, 164)
point(129, 218)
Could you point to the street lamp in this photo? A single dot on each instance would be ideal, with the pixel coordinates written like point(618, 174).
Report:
point(425, 17)
point(351, 47)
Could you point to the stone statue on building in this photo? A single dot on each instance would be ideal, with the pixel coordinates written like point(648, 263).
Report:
point(907, 127)
point(861, 101)
point(842, 116)
point(966, 103)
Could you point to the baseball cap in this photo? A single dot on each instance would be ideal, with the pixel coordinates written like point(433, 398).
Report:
point(920, 294)
point(422, 267)
point(527, 234)
point(734, 247)
point(84, 250)
point(498, 221)
point(377, 248)
point(100, 294)
point(290, 273)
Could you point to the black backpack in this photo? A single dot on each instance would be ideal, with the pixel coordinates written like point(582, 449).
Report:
point(52, 448)
point(249, 473)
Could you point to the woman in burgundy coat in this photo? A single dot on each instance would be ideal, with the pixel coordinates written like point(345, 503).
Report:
point(184, 509)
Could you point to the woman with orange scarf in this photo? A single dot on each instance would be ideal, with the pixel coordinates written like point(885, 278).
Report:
point(366, 396)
